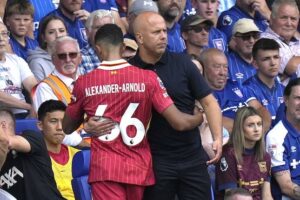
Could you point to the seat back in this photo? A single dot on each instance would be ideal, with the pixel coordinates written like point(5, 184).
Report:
point(80, 171)
point(26, 124)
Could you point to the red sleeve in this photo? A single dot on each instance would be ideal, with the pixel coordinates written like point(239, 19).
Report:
point(75, 108)
point(160, 98)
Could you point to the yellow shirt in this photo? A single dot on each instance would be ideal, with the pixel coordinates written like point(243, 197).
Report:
point(63, 175)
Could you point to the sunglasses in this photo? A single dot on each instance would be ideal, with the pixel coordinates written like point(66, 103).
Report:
point(248, 36)
point(199, 29)
point(5, 34)
point(63, 56)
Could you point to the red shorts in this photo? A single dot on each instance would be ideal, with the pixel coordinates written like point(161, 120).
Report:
point(104, 190)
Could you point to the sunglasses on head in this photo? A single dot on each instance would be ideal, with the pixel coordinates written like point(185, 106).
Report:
point(247, 36)
point(199, 29)
point(63, 56)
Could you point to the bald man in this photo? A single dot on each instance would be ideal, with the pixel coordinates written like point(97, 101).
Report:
point(179, 160)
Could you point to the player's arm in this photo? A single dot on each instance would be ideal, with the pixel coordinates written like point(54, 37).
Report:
point(214, 119)
point(70, 125)
point(286, 185)
point(181, 121)
point(19, 143)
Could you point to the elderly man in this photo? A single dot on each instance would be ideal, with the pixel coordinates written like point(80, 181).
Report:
point(245, 33)
point(257, 10)
point(195, 32)
point(282, 143)
point(228, 93)
point(283, 26)
point(59, 84)
point(96, 19)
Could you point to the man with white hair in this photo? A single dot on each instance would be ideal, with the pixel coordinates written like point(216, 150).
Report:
point(96, 19)
point(58, 85)
point(283, 27)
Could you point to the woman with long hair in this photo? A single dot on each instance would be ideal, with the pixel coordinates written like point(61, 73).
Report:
point(244, 162)
point(39, 59)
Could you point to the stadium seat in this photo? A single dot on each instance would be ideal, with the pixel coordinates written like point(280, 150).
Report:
point(26, 124)
point(80, 171)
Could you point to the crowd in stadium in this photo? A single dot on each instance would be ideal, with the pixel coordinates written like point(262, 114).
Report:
point(163, 99)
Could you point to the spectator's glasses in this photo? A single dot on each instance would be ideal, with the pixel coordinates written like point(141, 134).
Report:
point(247, 36)
point(5, 34)
point(199, 29)
point(63, 56)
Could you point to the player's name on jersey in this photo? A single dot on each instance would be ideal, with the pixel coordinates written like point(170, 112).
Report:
point(115, 88)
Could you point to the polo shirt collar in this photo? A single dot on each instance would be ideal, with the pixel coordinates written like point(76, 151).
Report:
point(113, 64)
point(139, 62)
point(67, 80)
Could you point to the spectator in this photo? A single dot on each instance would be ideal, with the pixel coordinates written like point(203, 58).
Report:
point(130, 49)
point(244, 162)
point(265, 85)
point(58, 85)
point(27, 172)
point(225, 5)
point(2, 7)
point(208, 9)
point(283, 27)
point(39, 59)
point(18, 19)
point(70, 11)
point(195, 32)
point(90, 59)
point(282, 144)
point(135, 8)
point(238, 194)
point(227, 92)
point(171, 148)
point(134, 92)
point(110, 5)
point(50, 116)
point(245, 34)
point(15, 74)
point(41, 9)
point(171, 12)
point(257, 10)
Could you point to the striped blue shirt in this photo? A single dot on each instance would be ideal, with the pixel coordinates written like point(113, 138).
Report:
point(90, 60)
point(239, 69)
point(271, 98)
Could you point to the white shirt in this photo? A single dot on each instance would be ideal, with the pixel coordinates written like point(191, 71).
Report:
point(13, 71)
point(44, 92)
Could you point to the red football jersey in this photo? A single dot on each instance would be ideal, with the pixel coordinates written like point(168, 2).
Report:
point(125, 94)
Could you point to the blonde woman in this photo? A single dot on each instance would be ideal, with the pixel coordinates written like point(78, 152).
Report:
point(244, 162)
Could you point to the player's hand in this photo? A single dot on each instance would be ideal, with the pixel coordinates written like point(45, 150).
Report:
point(217, 148)
point(82, 14)
point(261, 7)
point(98, 127)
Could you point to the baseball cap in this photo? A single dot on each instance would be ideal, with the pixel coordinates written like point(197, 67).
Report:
point(244, 25)
point(193, 20)
point(139, 6)
point(130, 43)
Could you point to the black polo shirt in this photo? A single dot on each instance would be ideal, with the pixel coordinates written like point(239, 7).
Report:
point(184, 84)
